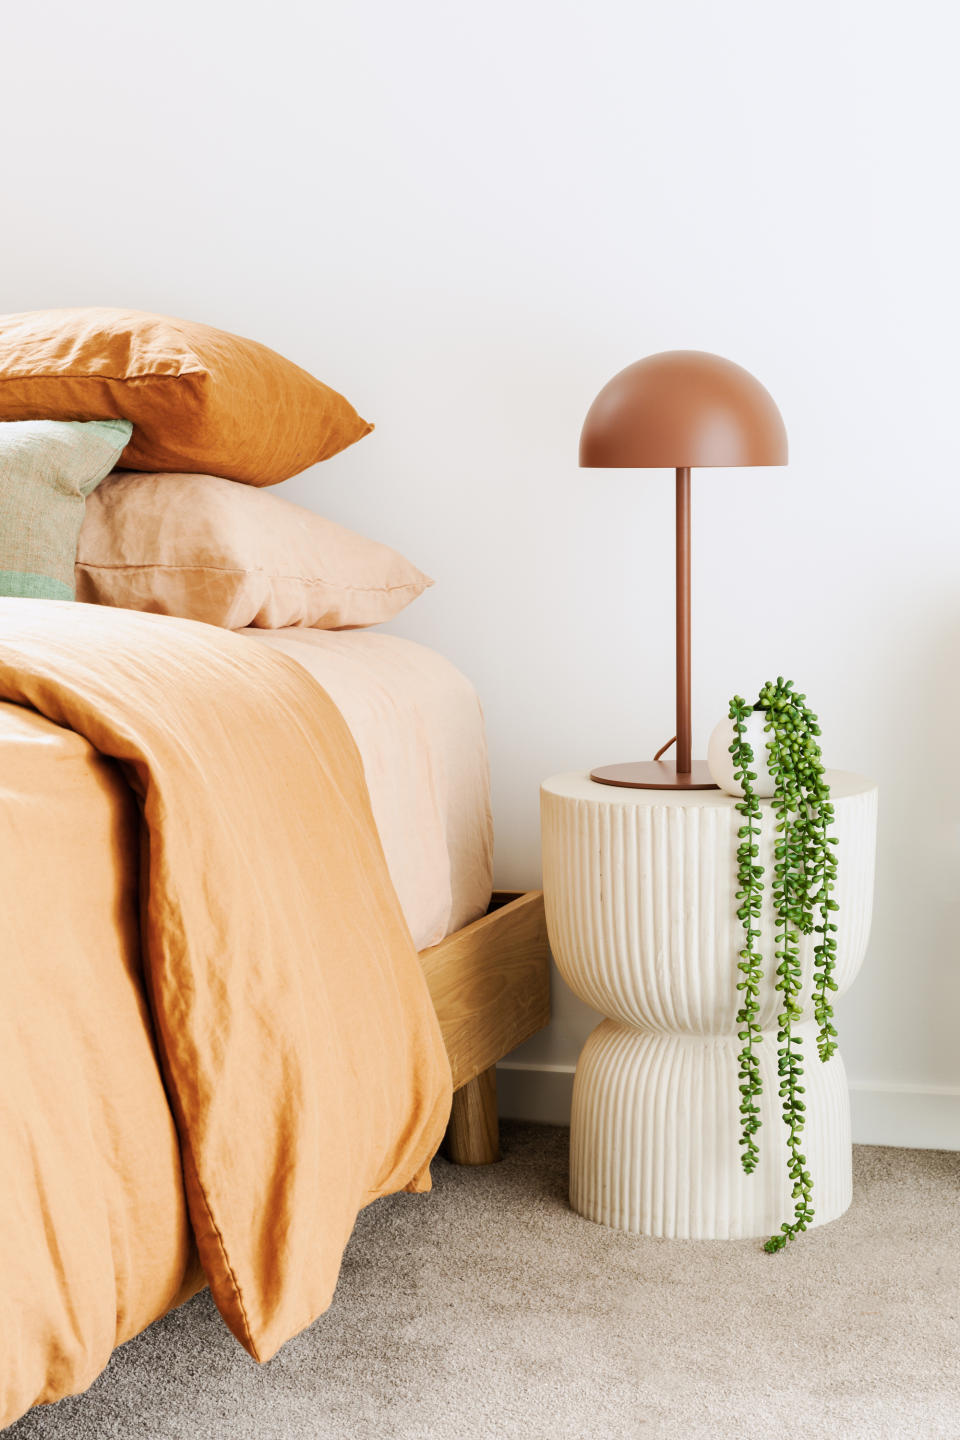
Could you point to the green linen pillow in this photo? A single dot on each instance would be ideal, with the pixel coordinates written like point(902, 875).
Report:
point(47, 470)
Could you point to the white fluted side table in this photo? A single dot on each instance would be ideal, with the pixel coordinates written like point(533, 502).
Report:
point(639, 888)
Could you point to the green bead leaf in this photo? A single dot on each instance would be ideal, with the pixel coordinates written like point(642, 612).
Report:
point(804, 879)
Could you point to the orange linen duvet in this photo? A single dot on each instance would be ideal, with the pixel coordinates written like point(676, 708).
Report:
point(303, 1069)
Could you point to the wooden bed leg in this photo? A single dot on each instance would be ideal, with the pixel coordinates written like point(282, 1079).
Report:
point(473, 1135)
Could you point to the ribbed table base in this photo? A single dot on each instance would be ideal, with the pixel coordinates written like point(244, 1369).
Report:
point(640, 889)
point(654, 1136)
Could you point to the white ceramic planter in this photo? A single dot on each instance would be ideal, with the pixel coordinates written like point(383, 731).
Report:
point(720, 761)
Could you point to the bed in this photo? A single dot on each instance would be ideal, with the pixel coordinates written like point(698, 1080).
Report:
point(107, 1117)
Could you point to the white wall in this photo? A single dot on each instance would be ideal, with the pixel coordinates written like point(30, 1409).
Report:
point(469, 217)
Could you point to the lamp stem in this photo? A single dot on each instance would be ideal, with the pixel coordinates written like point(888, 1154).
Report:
point(683, 621)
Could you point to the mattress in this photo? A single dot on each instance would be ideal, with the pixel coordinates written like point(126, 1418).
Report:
point(418, 726)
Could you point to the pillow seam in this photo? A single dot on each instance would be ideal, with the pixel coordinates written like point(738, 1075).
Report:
point(235, 570)
point(95, 375)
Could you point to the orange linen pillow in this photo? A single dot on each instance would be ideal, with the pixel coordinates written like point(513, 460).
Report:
point(208, 549)
point(199, 399)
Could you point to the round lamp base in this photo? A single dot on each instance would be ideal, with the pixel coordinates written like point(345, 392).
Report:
point(655, 775)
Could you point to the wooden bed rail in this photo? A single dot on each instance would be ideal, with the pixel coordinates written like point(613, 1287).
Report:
point(490, 984)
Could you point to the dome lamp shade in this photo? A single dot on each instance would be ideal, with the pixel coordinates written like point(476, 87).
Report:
point(680, 409)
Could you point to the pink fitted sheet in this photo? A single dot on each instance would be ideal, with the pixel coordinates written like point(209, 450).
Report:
point(419, 729)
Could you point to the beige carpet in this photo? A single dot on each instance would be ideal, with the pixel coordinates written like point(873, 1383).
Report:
point(488, 1309)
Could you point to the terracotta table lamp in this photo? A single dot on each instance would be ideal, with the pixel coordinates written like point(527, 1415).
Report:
point(675, 410)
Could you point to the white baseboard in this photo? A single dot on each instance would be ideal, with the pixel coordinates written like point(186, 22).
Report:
point(918, 1117)
point(535, 1092)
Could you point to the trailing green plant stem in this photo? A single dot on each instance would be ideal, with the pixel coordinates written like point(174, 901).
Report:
point(802, 892)
point(750, 962)
point(790, 897)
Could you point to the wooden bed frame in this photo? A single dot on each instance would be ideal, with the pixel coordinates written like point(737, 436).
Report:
point(490, 984)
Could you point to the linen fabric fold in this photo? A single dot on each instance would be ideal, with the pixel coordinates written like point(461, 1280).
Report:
point(303, 1060)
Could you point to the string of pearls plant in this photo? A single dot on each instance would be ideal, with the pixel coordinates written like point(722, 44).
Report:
point(804, 881)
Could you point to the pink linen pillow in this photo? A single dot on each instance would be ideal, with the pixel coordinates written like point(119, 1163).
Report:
point(231, 555)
